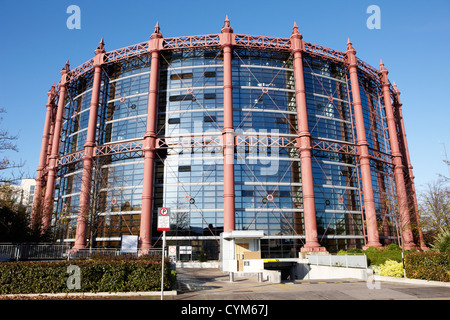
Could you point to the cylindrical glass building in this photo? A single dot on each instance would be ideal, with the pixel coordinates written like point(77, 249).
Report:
point(230, 132)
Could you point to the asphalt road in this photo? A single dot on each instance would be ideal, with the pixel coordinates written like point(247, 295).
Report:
point(209, 294)
point(212, 284)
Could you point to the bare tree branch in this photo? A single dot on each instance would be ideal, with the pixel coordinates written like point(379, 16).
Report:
point(7, 143)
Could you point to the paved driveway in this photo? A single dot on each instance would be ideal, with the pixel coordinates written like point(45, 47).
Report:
point(212, 284)
point(208, 294)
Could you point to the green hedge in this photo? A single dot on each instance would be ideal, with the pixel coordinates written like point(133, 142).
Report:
point(378, 256)
point(433, 266)
point(99, 275)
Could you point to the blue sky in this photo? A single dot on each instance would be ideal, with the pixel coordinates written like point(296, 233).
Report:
point(414, 43)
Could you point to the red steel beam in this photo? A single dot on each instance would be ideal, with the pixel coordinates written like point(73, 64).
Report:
point(37, 201)
point(189, 142)
point(405, 223)
point(309, 208)
point(213, 40)
point(363, 151)
point(145, 242)
point(51, 178)
point(227, 40)
point(410, 167)
point(89, 147)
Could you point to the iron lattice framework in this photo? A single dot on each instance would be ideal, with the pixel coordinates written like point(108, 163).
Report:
point(396, 161)
point(213, 41)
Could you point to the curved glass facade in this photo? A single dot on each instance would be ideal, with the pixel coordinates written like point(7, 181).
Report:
point(116, 193)
point(189, 177)
point(336, 176)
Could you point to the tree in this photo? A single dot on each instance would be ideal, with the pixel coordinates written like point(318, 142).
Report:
point(14, 219)
point(7, 143)
point(13, 225)
point(434, 207)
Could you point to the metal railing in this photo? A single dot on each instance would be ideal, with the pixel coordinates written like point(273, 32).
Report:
point(58, 251)
point(346, 261)
point(42, 251)
point(89, 252)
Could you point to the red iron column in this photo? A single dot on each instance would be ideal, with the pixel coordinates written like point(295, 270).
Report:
point(51, 178)
point(37, 201)
point(227, 40)
point(405, 223)
point(84, 205)
point(304, 144)
point(410, 168)
point(155, 45)
point(363, 151)
point(50, 135)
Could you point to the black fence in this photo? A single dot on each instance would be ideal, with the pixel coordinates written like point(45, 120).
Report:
point(56, 251)
point(30, 251)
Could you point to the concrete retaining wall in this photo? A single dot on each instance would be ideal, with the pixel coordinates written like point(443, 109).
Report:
point(197, 264)
point(308, 272)
point(412, 281)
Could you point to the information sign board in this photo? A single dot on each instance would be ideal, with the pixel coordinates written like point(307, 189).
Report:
point(163, 219)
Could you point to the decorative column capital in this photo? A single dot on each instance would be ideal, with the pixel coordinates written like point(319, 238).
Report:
point(383, 72)
point(51, 95)
point(155, 44)
point(52, 91)
point(396, 90)
point(99, 58)
point(65, 74)
point(226, 26)
point(296, 40)
point(350, 54)
point(156, 32)
point(397, 94)
point(227, 36)
point(101, 47)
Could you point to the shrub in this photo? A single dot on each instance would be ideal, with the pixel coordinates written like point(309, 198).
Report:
point(32, 277)
point(391, 269)
point(378, 256)
point(433, 266)
point(100, 275)
point(355, 250)
point(442, 241)
point(393, 247)
point(350, 251)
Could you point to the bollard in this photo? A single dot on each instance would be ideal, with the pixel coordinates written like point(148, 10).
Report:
point(231, 276)
point(260, 277)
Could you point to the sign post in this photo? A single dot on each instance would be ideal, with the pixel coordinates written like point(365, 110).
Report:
point(162, 265)
point(163, 225)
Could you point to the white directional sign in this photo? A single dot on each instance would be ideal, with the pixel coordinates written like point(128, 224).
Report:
point(185, 249)
point(172, 251)
point(163, 219)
